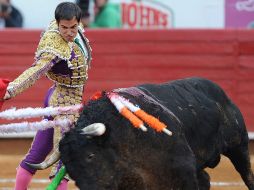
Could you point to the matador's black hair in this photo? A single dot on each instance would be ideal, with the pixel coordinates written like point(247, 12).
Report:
point(67, 11)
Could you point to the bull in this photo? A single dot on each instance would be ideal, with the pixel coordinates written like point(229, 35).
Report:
point(204, 122)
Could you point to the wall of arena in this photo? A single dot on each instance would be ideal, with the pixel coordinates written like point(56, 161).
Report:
point(123, 58)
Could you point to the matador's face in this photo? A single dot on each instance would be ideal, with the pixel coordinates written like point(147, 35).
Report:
point(68, 29)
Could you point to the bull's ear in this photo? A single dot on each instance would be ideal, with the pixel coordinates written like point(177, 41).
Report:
point(95, 129)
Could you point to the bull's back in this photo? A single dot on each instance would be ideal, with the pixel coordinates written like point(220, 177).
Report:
point(186, 89)
point(193, 100)
point(208, 117)
point(198, 103)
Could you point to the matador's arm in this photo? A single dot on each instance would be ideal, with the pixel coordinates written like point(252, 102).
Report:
point(32, 74)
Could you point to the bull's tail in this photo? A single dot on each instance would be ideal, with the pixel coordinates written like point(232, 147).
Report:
point(238, 149)
point(240, 159)
point(235, 141)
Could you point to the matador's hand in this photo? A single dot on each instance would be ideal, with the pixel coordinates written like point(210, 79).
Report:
point(7, 95)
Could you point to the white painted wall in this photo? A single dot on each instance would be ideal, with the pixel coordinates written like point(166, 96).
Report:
point(187, 13)
point(198, 13)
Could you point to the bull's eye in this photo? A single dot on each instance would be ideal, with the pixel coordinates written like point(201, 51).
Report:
point(90, 157)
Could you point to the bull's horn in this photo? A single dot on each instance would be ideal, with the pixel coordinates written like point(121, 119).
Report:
point(95, 129)
point(53, 158)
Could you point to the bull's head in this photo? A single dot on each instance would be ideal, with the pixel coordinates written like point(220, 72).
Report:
point(95, 129)
point(88, 158)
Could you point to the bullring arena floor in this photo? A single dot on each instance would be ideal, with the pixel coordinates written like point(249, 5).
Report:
point(223, 177)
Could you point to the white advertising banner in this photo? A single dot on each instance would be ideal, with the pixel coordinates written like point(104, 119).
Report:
point(146, 14)
point(138, 13)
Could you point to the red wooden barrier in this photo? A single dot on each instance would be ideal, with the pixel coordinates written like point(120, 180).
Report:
point(123, 58)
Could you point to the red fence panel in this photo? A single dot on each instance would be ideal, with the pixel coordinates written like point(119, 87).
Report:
point(122, 58)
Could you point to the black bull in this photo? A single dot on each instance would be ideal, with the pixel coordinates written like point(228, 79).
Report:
point(205, 124)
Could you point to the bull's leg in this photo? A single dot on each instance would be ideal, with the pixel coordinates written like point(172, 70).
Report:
point(183, 170)
point(240, 158)
point(131, 180)
point(187, 179)
point(182, 166)
point(203, 180)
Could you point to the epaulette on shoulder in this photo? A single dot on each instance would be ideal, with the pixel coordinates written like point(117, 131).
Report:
point(52, 42)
